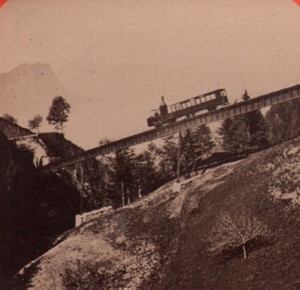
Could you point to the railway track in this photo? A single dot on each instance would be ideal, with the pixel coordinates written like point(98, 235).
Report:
point(206, 118)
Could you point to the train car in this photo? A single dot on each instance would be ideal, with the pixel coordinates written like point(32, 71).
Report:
point(188, 108)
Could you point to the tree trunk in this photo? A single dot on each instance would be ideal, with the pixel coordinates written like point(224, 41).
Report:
point(82, 189)
point(122, 191)
point(244, 251)
point(179, 156)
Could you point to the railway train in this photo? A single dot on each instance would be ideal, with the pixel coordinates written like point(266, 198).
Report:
point(189, 107)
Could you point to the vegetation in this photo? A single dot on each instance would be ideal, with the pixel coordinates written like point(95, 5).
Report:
point(122, 178)
point(34, 208)
point(59, 113)
point(35, 123)
point(235, 231)
point(239, 192)
point(283, 121)
point(10, 118)
point(177, 155)
point(244, 132)
point(92, 276)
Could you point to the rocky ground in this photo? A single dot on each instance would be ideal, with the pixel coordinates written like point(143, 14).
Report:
point(163, 241)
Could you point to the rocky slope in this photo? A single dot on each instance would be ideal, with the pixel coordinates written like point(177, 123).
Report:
point(163, 240)
point(34, 207)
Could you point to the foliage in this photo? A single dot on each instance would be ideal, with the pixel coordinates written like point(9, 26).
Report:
point(235, 231)
point(283, 121)
point(144, 173)
point(235, 134)
point(34, 207)
point(35, 123)
point(244, 132)
point(134, 175)
point(121, 179)
point(168, 155)
point(195, 143)
point(10, 118)
point(178, 153)
point(58, 113)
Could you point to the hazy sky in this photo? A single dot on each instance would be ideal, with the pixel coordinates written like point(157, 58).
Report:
point(118, 57)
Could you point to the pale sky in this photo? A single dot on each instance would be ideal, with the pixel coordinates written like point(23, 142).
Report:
point(118, 57)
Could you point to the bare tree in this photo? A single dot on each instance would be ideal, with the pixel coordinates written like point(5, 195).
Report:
point(235, 231)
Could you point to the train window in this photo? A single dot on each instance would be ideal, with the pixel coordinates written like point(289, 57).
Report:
point(185, 104)
point(173, 108)
point(192, 102)
point(203, 99)
point(198, 101)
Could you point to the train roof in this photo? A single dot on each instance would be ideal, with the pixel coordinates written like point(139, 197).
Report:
point(205, 94)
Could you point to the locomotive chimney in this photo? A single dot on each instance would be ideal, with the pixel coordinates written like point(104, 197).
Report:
point(163, 101)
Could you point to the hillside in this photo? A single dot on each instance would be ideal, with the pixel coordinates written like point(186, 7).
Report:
point(34, 207)
point(163, 240)
point(12, 130)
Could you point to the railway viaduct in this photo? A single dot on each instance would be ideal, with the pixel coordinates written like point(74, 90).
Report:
point(206, 118)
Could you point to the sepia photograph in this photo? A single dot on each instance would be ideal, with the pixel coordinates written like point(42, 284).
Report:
point(151, 145)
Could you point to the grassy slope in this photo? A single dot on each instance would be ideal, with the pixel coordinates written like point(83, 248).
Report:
point(160, 242)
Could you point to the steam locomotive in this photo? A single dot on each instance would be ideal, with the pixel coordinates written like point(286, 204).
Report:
point(209, 101)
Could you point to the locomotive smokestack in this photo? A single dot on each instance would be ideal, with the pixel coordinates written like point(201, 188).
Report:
point(163, 101)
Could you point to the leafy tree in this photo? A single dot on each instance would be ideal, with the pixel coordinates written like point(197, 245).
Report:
point(58, 113)
point(10, 118)
point(35, 123)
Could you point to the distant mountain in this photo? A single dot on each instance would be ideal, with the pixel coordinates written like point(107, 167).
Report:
point(30, 80)
point(29, 89)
